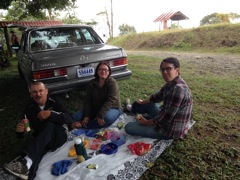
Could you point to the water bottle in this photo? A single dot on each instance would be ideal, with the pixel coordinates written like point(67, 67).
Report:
point(80, 150)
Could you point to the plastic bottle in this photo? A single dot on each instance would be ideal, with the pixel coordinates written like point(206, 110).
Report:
point(121, 121)
point(80, 150)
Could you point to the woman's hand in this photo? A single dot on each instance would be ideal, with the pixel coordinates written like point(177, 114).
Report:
point(85, 121)
point(76, 124)
point(100, 121)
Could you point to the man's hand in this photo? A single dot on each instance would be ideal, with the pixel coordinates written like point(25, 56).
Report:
point(139, 101)
point(20, 127)
point(100, 121)
point(85, 122)
point(141, 120)
point(43, 115)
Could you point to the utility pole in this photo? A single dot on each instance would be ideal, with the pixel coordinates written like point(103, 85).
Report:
point(111, 19)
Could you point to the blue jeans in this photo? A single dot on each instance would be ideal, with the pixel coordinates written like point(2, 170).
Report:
point(149, 110)
point(110, 117)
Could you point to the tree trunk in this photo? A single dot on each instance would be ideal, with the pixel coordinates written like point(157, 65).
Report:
point(108, 23)
point(49, 14)
point(111, 19)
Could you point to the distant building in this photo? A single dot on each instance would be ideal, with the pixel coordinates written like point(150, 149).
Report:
point(164, 18)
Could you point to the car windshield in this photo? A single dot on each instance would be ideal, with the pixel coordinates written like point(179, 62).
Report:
point(54, 38)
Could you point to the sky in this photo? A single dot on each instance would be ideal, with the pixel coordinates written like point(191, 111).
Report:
point(142, 13)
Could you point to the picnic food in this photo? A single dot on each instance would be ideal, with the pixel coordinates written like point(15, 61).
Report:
point(139, 148)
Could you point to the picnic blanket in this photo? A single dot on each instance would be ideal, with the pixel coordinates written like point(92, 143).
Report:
point(120, 165)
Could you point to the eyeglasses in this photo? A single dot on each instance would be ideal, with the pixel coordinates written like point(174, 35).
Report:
point(166, 69)
point(100, 69)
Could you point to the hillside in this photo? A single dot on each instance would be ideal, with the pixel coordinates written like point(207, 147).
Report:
point(214, 38)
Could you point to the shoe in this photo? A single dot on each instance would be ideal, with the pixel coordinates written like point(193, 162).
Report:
point(18, 168)
point(126, 104)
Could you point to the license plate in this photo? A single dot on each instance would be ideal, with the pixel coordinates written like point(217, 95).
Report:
point(87, 71)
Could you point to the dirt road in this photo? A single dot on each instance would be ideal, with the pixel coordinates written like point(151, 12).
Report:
point(219, 63)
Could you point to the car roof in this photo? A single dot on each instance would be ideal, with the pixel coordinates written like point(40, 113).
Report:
point(58, 26)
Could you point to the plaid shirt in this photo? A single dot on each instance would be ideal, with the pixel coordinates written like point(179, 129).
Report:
point(175, 114)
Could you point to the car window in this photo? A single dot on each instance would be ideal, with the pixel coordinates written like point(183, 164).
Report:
point(54, 38)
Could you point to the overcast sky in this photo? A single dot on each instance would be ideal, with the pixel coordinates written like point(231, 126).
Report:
point(142, 13)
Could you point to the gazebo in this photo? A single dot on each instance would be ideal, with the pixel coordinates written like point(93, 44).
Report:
point(23, 24)
point(173, 16)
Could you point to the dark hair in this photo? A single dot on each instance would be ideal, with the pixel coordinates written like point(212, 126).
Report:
point(102, 63)
point(11, 31)
point(171, 60)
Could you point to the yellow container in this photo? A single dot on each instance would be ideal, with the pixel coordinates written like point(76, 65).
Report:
point(72, 151)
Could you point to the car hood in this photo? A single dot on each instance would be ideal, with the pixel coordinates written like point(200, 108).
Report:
point(74, 56)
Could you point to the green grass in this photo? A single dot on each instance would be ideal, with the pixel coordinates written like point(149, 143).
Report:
point(211, 149)
point(216, 38)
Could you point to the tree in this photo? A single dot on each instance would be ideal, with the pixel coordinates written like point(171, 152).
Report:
point(17, 12)
point(175, 26)
point(210, 19)
point(35, 7)
point(108, 22)
point(216, 18)
point(4, 4)
point(105, 13)
point(70, 17)
point(126, 29)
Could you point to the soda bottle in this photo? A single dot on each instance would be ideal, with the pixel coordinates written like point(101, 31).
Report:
point(26, 122)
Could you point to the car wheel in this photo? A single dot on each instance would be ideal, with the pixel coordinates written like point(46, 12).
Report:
point(20, 72)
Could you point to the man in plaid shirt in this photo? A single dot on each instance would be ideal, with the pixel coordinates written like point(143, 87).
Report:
point(171, 121)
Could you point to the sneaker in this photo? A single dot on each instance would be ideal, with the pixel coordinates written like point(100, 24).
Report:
point(126, 104)
point(18, 168)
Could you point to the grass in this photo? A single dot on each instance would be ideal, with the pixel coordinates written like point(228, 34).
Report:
point(216, 38)
point(211, 149)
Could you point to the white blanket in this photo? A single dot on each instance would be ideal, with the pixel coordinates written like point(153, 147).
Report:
point(121, 165)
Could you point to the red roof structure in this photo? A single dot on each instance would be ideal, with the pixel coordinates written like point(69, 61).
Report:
point(4, 24)
point(174, 16)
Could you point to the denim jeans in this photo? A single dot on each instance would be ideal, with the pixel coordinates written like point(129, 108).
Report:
point(110, 117)
point(136, 129)
point(149, 111)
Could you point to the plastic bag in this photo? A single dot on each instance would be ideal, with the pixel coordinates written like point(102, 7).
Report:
point(139, 148)
point(105, 135)
point(95, 144)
